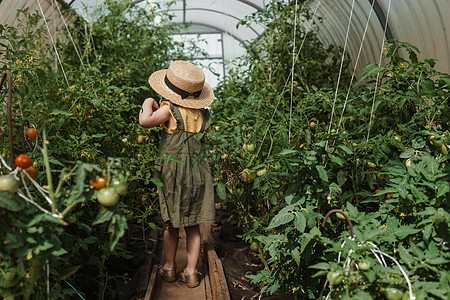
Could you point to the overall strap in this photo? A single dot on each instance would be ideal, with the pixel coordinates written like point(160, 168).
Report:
point(176, 113)
point(206, 119)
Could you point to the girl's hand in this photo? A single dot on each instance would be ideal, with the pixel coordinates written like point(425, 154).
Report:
point(150, 105)
point(151, 115)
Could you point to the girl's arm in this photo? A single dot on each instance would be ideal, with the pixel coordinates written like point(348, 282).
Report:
point(151, 115)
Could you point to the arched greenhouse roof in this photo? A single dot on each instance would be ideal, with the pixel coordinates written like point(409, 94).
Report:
point(359, 26)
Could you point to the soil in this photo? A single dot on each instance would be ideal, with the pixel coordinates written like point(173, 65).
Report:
point(237, 259)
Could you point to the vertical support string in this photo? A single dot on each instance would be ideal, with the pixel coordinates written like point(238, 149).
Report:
point(378, 74)
point(70, 35)
point(340, 69)
point(287, 80)
point(292, 72)
point(53, 43)
point(356, 65)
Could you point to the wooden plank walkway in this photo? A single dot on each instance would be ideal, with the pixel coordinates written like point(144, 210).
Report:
point(213, 285)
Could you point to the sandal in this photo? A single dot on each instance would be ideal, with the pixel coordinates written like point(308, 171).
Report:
point(191, 280)
point(169, 275)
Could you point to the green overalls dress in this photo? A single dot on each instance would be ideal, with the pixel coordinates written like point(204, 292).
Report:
point(187, 197)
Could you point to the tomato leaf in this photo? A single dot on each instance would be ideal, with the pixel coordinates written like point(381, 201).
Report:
point(322, 173)
point(10, 201)
point(296, 255)
point(281, 219)
point(407, 153)
point(220, 190)
point(300, 222)
point(104, 215)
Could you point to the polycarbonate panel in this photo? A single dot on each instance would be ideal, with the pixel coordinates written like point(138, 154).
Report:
point(418, 22)
point(221, 15)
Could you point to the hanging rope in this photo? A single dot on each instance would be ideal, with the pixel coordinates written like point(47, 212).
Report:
point(356, 64)
point(340, 69)
point(287, 80)
point(53, 43)
point(292, 71)
point(378, 74)
point(70, 35)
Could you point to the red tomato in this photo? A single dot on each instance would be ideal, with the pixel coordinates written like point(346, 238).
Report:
point(99, 182)
point(31, 133)
point(377, 191)
point(31, 171)
point(23, 161)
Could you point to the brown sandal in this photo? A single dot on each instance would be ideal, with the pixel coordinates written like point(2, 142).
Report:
point(169, 275)
point(191, 280)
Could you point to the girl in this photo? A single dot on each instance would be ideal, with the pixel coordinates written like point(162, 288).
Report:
point(187, 197)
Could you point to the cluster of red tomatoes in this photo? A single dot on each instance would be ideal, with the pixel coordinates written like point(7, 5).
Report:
point(8, 182)
point(108, 194)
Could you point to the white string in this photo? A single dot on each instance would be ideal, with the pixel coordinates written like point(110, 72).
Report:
point(54, 28)
point(70, 35)
point(288, 79)
point(378, 74)
point(53, 43)
point(379, 255)
point(21, 194)
point(292, 72)
point(340, 69)
point(356, 64)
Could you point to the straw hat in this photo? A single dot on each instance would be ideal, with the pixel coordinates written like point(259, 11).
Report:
point(184, 84)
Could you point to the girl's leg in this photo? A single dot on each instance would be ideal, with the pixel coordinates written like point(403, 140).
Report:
point(193, 247)
point(170, 246)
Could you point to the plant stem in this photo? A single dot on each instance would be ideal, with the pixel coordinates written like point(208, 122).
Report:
point(48, 171)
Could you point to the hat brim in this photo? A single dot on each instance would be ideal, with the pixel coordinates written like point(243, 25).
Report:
point(156, 81)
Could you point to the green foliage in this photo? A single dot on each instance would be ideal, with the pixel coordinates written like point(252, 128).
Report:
point(380, 154)
point(89, 112)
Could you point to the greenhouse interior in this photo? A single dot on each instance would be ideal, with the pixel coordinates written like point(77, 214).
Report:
point(302, 147)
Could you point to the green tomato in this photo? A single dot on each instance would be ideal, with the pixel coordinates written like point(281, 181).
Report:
point(393, 294)
point(406, 296)
point(8, 183)
point(364, 265)
point(408, 162)
point(261, 172)
point(444, 150)
point(120, 186)
point(250, 147)
point(107, 196)
point(247, 174)
point(276, 167)
point(340, 216)
point(71, 219)
point(434, 143)
point(254, 247)
point(335, 277)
